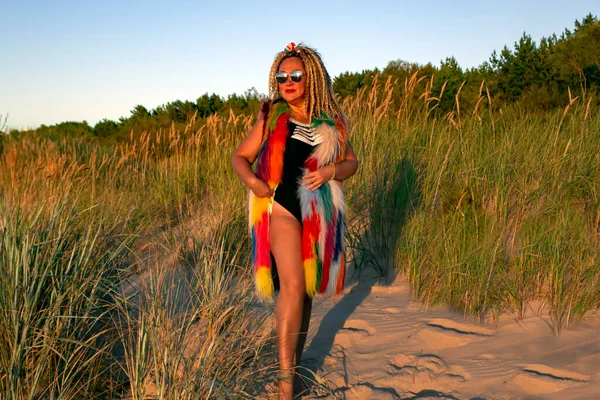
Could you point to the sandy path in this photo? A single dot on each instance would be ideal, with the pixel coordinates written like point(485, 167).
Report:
point(374, 343)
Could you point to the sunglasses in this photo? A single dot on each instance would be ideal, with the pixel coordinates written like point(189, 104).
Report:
point(295, 76)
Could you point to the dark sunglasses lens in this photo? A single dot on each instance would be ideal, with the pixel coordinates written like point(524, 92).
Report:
point(281, 77)
point(296, 76)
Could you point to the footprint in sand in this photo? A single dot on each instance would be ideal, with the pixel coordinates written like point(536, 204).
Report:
point(353, 331)
point(543, 379)
point(458, 327)
point(443, 333)
point(369, 391)
point(425, 371)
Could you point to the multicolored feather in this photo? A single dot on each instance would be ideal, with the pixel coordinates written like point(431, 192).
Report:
point(323, 210)
point(323, 236)
point(269, 169)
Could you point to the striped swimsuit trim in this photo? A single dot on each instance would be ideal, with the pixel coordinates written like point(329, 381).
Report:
point(305, 133)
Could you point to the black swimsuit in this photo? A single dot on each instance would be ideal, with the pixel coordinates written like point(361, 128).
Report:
point(298, 147)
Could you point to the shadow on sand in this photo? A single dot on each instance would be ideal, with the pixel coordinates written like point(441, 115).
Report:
point(372, 239)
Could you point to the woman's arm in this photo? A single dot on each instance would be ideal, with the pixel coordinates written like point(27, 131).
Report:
point(246, 153)
point(343, 170)
point(346, 168)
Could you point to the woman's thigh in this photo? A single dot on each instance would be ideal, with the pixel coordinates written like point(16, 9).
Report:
point(286, 234)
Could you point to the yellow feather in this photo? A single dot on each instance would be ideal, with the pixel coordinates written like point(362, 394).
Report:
point(258, 206)
point(310, 276)
point(264, 283)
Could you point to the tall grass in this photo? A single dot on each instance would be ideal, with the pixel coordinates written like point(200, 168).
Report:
point(58, 270)
point(192, 332)
point(125, 269)
point(505, 205)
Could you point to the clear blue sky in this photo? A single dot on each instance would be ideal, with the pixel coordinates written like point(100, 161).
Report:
point(88, 60)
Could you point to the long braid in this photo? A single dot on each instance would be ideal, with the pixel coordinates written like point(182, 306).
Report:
point(319, 87)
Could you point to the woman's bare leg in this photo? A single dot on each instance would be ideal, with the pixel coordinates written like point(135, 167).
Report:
point(286, 236)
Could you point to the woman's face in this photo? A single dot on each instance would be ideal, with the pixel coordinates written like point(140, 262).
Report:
point(293, 92)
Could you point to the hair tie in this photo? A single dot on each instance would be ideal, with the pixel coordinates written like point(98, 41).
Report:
point(290, 47)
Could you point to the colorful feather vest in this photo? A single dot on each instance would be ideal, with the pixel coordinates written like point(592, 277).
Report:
point(323, 210)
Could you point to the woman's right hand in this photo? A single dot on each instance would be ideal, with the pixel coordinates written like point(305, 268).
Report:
point(260, 188)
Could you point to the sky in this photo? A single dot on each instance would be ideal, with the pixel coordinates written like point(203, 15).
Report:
point(90, 60)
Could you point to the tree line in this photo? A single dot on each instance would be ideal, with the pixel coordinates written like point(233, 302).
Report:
point(536, 76)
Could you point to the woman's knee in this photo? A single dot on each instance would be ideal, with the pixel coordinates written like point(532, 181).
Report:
point(293, 287)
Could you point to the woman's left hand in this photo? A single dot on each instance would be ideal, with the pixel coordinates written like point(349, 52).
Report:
point(314, 180)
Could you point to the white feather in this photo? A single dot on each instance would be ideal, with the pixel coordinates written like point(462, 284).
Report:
point(326, 152)
point(337, 194)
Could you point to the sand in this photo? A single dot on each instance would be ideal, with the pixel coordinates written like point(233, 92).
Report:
point(374, 342)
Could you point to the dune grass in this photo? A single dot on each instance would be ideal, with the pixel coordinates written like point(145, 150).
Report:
point(125, 269)
point(504, 206)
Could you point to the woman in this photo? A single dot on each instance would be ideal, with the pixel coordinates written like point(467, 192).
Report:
point(297, 208)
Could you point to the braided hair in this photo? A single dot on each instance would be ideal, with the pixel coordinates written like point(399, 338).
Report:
point(319, 87)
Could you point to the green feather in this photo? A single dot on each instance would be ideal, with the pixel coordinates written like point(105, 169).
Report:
point(327, 202)
point(280, 108)
point(323, 119)
point(319, 266)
